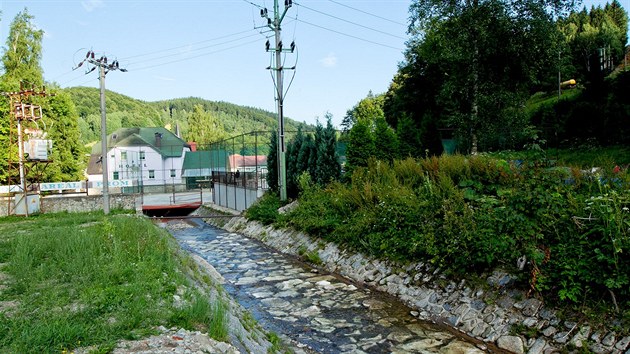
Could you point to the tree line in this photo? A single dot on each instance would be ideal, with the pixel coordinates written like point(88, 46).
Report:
point(472, 67)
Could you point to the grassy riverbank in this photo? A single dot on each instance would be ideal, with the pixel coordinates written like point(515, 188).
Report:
point(78, 280)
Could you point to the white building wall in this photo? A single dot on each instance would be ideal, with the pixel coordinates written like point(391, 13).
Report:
point(153, 169)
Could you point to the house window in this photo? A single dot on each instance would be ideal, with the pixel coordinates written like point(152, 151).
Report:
point(142, 156)
point(123, 155)
point(172, 173)
point(151, 174)
point(116, 177)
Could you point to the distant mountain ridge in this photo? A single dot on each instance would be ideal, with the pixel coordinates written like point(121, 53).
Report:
point(126, 112)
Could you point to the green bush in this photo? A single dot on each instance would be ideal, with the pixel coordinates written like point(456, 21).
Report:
point(265, 209)
point(471, 214)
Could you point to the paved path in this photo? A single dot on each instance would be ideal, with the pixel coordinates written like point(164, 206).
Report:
point(320, 311)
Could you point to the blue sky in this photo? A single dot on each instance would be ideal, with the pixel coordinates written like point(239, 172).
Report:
point(210, 49)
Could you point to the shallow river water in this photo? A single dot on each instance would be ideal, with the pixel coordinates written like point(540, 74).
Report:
point(319, 311)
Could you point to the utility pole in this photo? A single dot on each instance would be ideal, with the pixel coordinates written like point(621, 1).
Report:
point(275, 25)
point(104, 68)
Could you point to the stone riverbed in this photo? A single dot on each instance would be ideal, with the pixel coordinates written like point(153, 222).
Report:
point(318, 311)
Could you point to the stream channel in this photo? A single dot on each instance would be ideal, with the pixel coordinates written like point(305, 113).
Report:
point(319, 311)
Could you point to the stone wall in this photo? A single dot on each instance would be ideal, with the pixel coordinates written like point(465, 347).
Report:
point(4, 207)
point(493, 311)
point(77, 204)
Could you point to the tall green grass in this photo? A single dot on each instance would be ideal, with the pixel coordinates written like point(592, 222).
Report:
point(88, 279)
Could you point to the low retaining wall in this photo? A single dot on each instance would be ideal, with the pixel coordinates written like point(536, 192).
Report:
point(86, 203)
point(77, 204)
point(489, 312)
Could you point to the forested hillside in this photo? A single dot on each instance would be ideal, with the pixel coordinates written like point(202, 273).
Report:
point(199, 120)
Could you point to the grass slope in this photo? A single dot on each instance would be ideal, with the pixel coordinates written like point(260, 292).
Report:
point(76, 280)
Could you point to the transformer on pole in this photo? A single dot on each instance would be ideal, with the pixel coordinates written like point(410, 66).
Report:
point(37, 149)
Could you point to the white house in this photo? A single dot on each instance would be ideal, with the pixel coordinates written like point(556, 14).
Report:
point(146, 156)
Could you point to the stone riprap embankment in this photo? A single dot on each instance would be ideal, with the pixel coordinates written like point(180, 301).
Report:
point(493, 312)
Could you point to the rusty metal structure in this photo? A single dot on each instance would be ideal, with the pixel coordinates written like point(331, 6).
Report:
point(32, 157)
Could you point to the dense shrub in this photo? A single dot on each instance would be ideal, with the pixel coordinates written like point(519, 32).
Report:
point(265, 209)
point(470, 214)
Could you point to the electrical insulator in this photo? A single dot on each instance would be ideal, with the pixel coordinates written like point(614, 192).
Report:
point(292, 46)
point(267, 45)
point(280, 46)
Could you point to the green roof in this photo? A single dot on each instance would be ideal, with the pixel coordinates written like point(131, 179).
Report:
point(212, 159)
point(168, 145)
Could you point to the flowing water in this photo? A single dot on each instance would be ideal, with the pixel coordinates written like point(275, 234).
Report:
point(319, 311)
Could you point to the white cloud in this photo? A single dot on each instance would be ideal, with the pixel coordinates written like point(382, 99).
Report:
point(90, 5)
point(330, 61)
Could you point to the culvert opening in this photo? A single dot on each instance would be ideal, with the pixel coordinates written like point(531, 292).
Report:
point(169, 210)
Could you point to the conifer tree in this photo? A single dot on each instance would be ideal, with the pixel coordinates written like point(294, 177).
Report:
point(385, 141)
point(408, 138)
point(314, 151)
point(328, 167)
point(305, 154)
point(294, 169)
point(360, 145)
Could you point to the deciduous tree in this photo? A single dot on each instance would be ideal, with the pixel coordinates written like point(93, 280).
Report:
point(487, 56)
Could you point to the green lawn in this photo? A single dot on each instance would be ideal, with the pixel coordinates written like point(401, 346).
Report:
point(76, 280)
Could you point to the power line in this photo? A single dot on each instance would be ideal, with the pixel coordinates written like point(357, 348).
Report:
point(187, 45)
point(367, 13)
point(69, 81)
point(251, 3)
point(349, 35)
point(196, 49)
point(350, 22)
point(195, 56)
